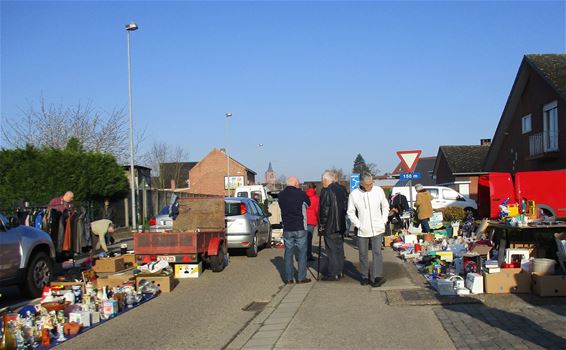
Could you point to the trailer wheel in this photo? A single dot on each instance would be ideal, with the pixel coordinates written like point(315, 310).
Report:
point(216, 262)
point(252, 250)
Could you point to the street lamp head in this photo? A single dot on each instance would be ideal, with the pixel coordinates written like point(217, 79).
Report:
point(228, 115)
point(131, 27)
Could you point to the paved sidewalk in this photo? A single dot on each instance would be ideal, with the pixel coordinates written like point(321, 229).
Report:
point(345, 315)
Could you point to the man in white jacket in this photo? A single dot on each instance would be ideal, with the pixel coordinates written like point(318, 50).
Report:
point(368, 209)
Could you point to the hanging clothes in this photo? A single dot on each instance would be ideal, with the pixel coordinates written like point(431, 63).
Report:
point(68, 236)
point(54, 226)
point(61, 232)
point(38, 222)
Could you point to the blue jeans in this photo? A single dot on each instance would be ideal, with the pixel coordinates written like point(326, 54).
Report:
point(295, 243)
point(310, 231)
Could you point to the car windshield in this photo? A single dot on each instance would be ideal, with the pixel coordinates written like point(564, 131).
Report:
point(232, 208)
point(164, 210)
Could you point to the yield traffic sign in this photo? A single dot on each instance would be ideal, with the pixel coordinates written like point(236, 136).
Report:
point(409, 159)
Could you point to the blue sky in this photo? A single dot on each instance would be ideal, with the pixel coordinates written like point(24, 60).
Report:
point(314, 82)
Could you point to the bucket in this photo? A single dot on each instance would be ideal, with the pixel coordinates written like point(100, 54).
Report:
point(544, 266)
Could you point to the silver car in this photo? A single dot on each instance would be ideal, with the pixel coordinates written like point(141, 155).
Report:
point(247, 226)
point(26, 257)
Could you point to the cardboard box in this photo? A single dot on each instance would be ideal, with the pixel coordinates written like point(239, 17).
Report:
point(388, 240)
point(549, 285)
point(114, 264)
point(115, 280)
point(507, 281)
point(481, 249)
point(188, 270)
point(165, 283)
point(130, 259)
point(66, 284)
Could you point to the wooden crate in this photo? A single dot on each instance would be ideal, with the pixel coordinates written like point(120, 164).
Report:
point(200, 213)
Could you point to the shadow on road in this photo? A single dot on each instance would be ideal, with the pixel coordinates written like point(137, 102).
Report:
point(517, 325)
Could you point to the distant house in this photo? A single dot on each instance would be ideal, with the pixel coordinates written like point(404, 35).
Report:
point(210, 174)
point(459, 167)
point(531, 134)
point(425, 166)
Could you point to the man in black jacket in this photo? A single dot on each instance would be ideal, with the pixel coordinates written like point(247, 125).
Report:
point(293, 203)
point(332, 224)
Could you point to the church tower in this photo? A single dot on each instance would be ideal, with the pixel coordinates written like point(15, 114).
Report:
point(270, 178)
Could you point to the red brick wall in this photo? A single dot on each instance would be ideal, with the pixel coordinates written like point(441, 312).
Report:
point(207, 177)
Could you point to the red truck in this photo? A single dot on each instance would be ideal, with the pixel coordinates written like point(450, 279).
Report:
point(198, 234)
point(546, 188)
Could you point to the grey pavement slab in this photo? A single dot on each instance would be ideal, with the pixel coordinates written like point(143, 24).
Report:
point(345, 315)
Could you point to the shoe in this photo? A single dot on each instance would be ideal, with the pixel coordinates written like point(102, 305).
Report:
point(364, 282)
point(290, 282)
point(330, 278)
point(378, 282)
point(306, 280)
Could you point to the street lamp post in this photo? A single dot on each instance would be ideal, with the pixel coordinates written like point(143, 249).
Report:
point(130, 28)
point(228, 116)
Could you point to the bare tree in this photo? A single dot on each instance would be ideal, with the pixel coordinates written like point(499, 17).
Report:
point(52, 125)
point(161, 153)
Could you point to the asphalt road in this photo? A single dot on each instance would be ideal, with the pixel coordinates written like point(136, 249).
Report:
point(203, 313)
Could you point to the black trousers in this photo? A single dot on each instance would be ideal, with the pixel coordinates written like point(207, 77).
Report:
point(334, 243)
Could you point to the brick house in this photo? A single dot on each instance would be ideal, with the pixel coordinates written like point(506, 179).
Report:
point(459, 167)
point(529, 136)
point(208, 175)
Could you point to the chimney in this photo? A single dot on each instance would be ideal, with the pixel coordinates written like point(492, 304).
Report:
point(485, 142)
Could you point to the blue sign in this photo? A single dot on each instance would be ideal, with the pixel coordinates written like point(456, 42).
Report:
point(410, 176)
point(354, 181)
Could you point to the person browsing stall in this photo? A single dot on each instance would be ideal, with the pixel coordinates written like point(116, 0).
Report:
point(332, 224)
point(62, 203)
point(102, 228)
point(423, 204)
point(368, 209)
point(293, 202)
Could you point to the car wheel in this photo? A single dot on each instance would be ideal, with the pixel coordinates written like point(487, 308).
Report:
point(38, 274)
point(216, 262)
point(253, 248)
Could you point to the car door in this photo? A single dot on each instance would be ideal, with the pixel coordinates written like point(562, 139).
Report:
point(254, 217)
point(451, 197)
point(9, 250)
point(263, 223)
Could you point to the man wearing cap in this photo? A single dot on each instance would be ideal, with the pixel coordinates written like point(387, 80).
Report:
point(423, 204)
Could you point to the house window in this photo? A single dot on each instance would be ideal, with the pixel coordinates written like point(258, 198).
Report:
point(526, 122)
point(550, 124)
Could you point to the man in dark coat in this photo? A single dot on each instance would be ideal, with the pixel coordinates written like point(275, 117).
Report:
point(332, 224)
point(293, 203)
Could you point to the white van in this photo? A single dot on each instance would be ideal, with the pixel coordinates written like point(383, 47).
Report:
point(442, 197)
point(257, 192)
